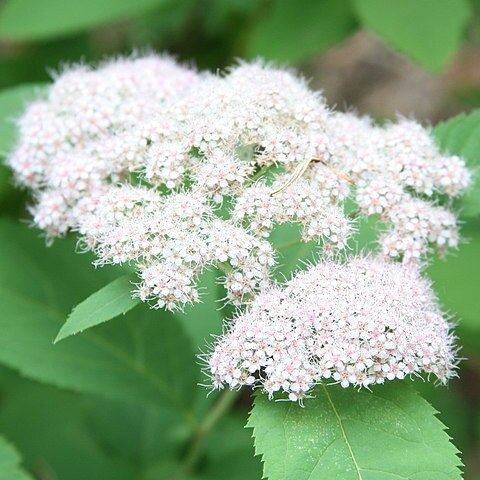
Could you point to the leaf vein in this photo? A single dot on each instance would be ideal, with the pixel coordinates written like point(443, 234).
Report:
point(344, 435)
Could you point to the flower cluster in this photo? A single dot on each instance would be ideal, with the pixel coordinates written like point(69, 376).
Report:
point(172, 239)
point(175, 171)
point(401, 176)
point(357, 323)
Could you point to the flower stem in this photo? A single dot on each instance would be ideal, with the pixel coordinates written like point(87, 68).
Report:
point(222, 406)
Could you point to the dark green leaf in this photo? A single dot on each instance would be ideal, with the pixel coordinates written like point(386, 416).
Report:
point(454, 408)
point(145, 435)
point(49, 427)
point(295, 30)
point(428, 31)
point(109, 302)
point(143, 357)
point(234, 459)
point(390, 433)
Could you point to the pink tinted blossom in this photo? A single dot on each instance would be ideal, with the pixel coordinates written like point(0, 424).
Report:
point(356, 323)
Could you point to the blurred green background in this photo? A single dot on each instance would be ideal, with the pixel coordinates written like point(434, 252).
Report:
point(384, 58)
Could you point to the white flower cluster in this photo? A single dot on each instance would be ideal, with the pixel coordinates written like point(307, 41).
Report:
point(171, 239)
point(400, 176)
point(176, 171)
point(357, 323)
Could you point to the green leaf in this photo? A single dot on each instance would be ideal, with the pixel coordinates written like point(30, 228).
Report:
point(202, 320)
point(428, 31)
point(50, 429)
point(292, 253)
point(232, 460)
point(148, 438)
point(41, 20)
point(454, 280)
point(143, 357)
point(390, 433)
point(453, 277)
point(12, 104)
point(454, 408)
point(461, 136)
point(294, 30)
point(109, 302)
point(6, 186)
point(9, 463)
point(145, 435)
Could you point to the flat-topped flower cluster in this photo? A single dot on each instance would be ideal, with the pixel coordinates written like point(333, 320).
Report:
point(357, 323)
point(175, 171)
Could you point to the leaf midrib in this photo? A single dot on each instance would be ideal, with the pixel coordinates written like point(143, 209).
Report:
point(344, 435)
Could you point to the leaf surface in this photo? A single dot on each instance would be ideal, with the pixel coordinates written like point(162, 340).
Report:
point(10, 463)
point(461, 136)
point(390, 434)
point(143, 357)
point(455, 282)
point(48, 426)
point(109, 302)
point(45, 19)
point(12, 103)
point(427, 31)
point(292, 31)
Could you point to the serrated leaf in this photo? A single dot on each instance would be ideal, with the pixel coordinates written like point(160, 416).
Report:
point(41, 20)
point(390, 433)
point(428, 31)
point(295, 30)
point(109, 302)
point(12, 105)
point(454, 409)
point(461, 136)
point(10, 463)
point(143, 357)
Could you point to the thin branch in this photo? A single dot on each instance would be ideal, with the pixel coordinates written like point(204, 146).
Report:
point(222, 406)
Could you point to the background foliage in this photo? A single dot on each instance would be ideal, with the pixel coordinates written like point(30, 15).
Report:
point(120, 400)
